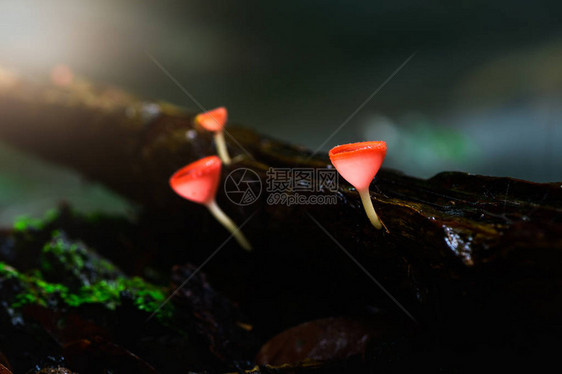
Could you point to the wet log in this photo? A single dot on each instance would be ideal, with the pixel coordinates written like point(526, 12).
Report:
point(462, 250)
point(61, 298)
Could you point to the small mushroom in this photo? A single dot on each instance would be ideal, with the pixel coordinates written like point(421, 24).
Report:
point(198, 182)
point(358, 163)
point(214, 121)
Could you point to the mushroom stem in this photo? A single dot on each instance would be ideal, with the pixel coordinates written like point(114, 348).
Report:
point(369, 209)
point(221, 147)
point(229, 225)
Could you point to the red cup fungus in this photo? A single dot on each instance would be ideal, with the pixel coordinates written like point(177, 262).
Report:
point(198, 182)
point(214, 121)
point(358, 163)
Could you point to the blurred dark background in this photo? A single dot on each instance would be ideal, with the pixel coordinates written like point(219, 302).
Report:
point(481, 93)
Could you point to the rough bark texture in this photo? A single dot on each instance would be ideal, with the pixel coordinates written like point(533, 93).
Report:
point(462, 250)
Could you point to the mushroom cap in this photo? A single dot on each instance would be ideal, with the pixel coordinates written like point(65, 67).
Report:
point(199, 180)
point(213, 120)
point(358, 163)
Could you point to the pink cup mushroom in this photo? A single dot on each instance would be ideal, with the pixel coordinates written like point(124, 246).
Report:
point(358, 163)
point(214, 121)
point(198, 182)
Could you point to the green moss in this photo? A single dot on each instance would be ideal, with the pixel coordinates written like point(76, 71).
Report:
point(37, 291)
point(7, 271)
point(65, 252)
point(73, 263)
point(147, 297)
point(69, 274)
point(24, 223)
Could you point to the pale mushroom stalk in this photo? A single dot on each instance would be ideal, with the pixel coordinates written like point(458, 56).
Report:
point(221, 148)
point(369, 208)
point(228, 224)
